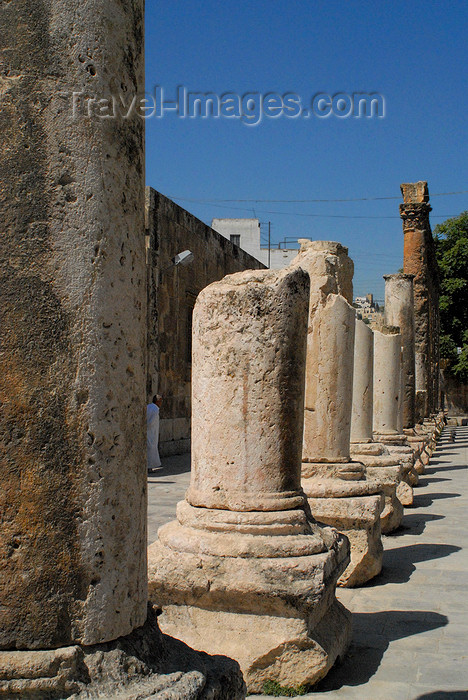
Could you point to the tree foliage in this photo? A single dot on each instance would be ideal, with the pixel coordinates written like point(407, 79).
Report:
point(451, 245)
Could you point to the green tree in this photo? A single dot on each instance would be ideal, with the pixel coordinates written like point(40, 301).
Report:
point(451, 245)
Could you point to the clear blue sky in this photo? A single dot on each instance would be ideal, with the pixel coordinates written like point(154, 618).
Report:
point(413, 53)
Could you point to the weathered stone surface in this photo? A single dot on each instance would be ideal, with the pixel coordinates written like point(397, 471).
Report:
point(144, 664)
point(399, 312)
point(327, 469)
point(359, 518)
point(387, 480)
point(277, 616)
point(387, 383)
point(363, 384)
point(244, 378)
point(387, 404)
point(405, 493)
point(244, 570)
point(419, 260)
point(362, 447)
point(72, 384)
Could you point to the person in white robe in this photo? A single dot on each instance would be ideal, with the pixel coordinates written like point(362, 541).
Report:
point(152, 433)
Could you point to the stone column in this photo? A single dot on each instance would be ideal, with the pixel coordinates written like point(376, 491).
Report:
point(399, 311)
point(387, 383)
point(72, 363)
point(387, 398)
point(336, 486)
point(244, 571)
point(419, 260)
point(380, 466)
point(363, 382)
point(73, 329)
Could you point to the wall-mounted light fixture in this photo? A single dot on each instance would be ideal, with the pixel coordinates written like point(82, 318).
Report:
point(184, 258)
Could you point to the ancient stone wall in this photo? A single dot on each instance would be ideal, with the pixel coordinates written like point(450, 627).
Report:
point(455, 394)
point(172, 292)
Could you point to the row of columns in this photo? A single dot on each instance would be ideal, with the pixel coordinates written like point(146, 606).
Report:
point(246, 569)
point(250, 566)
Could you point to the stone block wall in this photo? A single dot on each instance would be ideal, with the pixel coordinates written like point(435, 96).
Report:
point(455, 394)
point(172, 292)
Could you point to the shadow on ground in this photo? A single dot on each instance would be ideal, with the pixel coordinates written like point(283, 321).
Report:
point(414, 524)
point(444, 695)
point(399, 562)
point(424, 500)
point(423, 480)
point(450, 468)
point(178, 464)
point(372, 633)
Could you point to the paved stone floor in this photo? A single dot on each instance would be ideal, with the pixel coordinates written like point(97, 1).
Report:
point(410, 636)
point(166, 487)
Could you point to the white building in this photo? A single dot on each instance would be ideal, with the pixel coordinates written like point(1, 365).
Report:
point(366, 308)
point(247, 235)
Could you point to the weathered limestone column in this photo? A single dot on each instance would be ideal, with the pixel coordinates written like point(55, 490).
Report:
point(363, 382)
point(387, 398)
point(387, 384)
point(380, 466)
point(399, 312)
point(419, 260)
point(245, 571)
point(72, 362)
point(336, 486)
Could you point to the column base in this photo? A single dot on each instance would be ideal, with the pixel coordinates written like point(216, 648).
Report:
point(143, 664)
point(388, 473)
point(291, 651)
point(275, 613)
point(367, 449)
point(387, 480)
point(398, 448)
point(359, 519)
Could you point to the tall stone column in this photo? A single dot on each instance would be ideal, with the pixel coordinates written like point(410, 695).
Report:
point(387, 398)
point(245, 571)
point(335, 485)
point(73, 328)
point(73, 581)
point(419, 260)
point(363, 383)
point(380, 466)
point(387, 384)
point(399, 312)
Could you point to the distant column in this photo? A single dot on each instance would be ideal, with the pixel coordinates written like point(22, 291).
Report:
point(419, 260)
point(363, 383)
point(399, 311)
point(387, 383)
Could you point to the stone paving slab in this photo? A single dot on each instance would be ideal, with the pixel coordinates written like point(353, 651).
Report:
point(410, 638)
point(166, 487)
